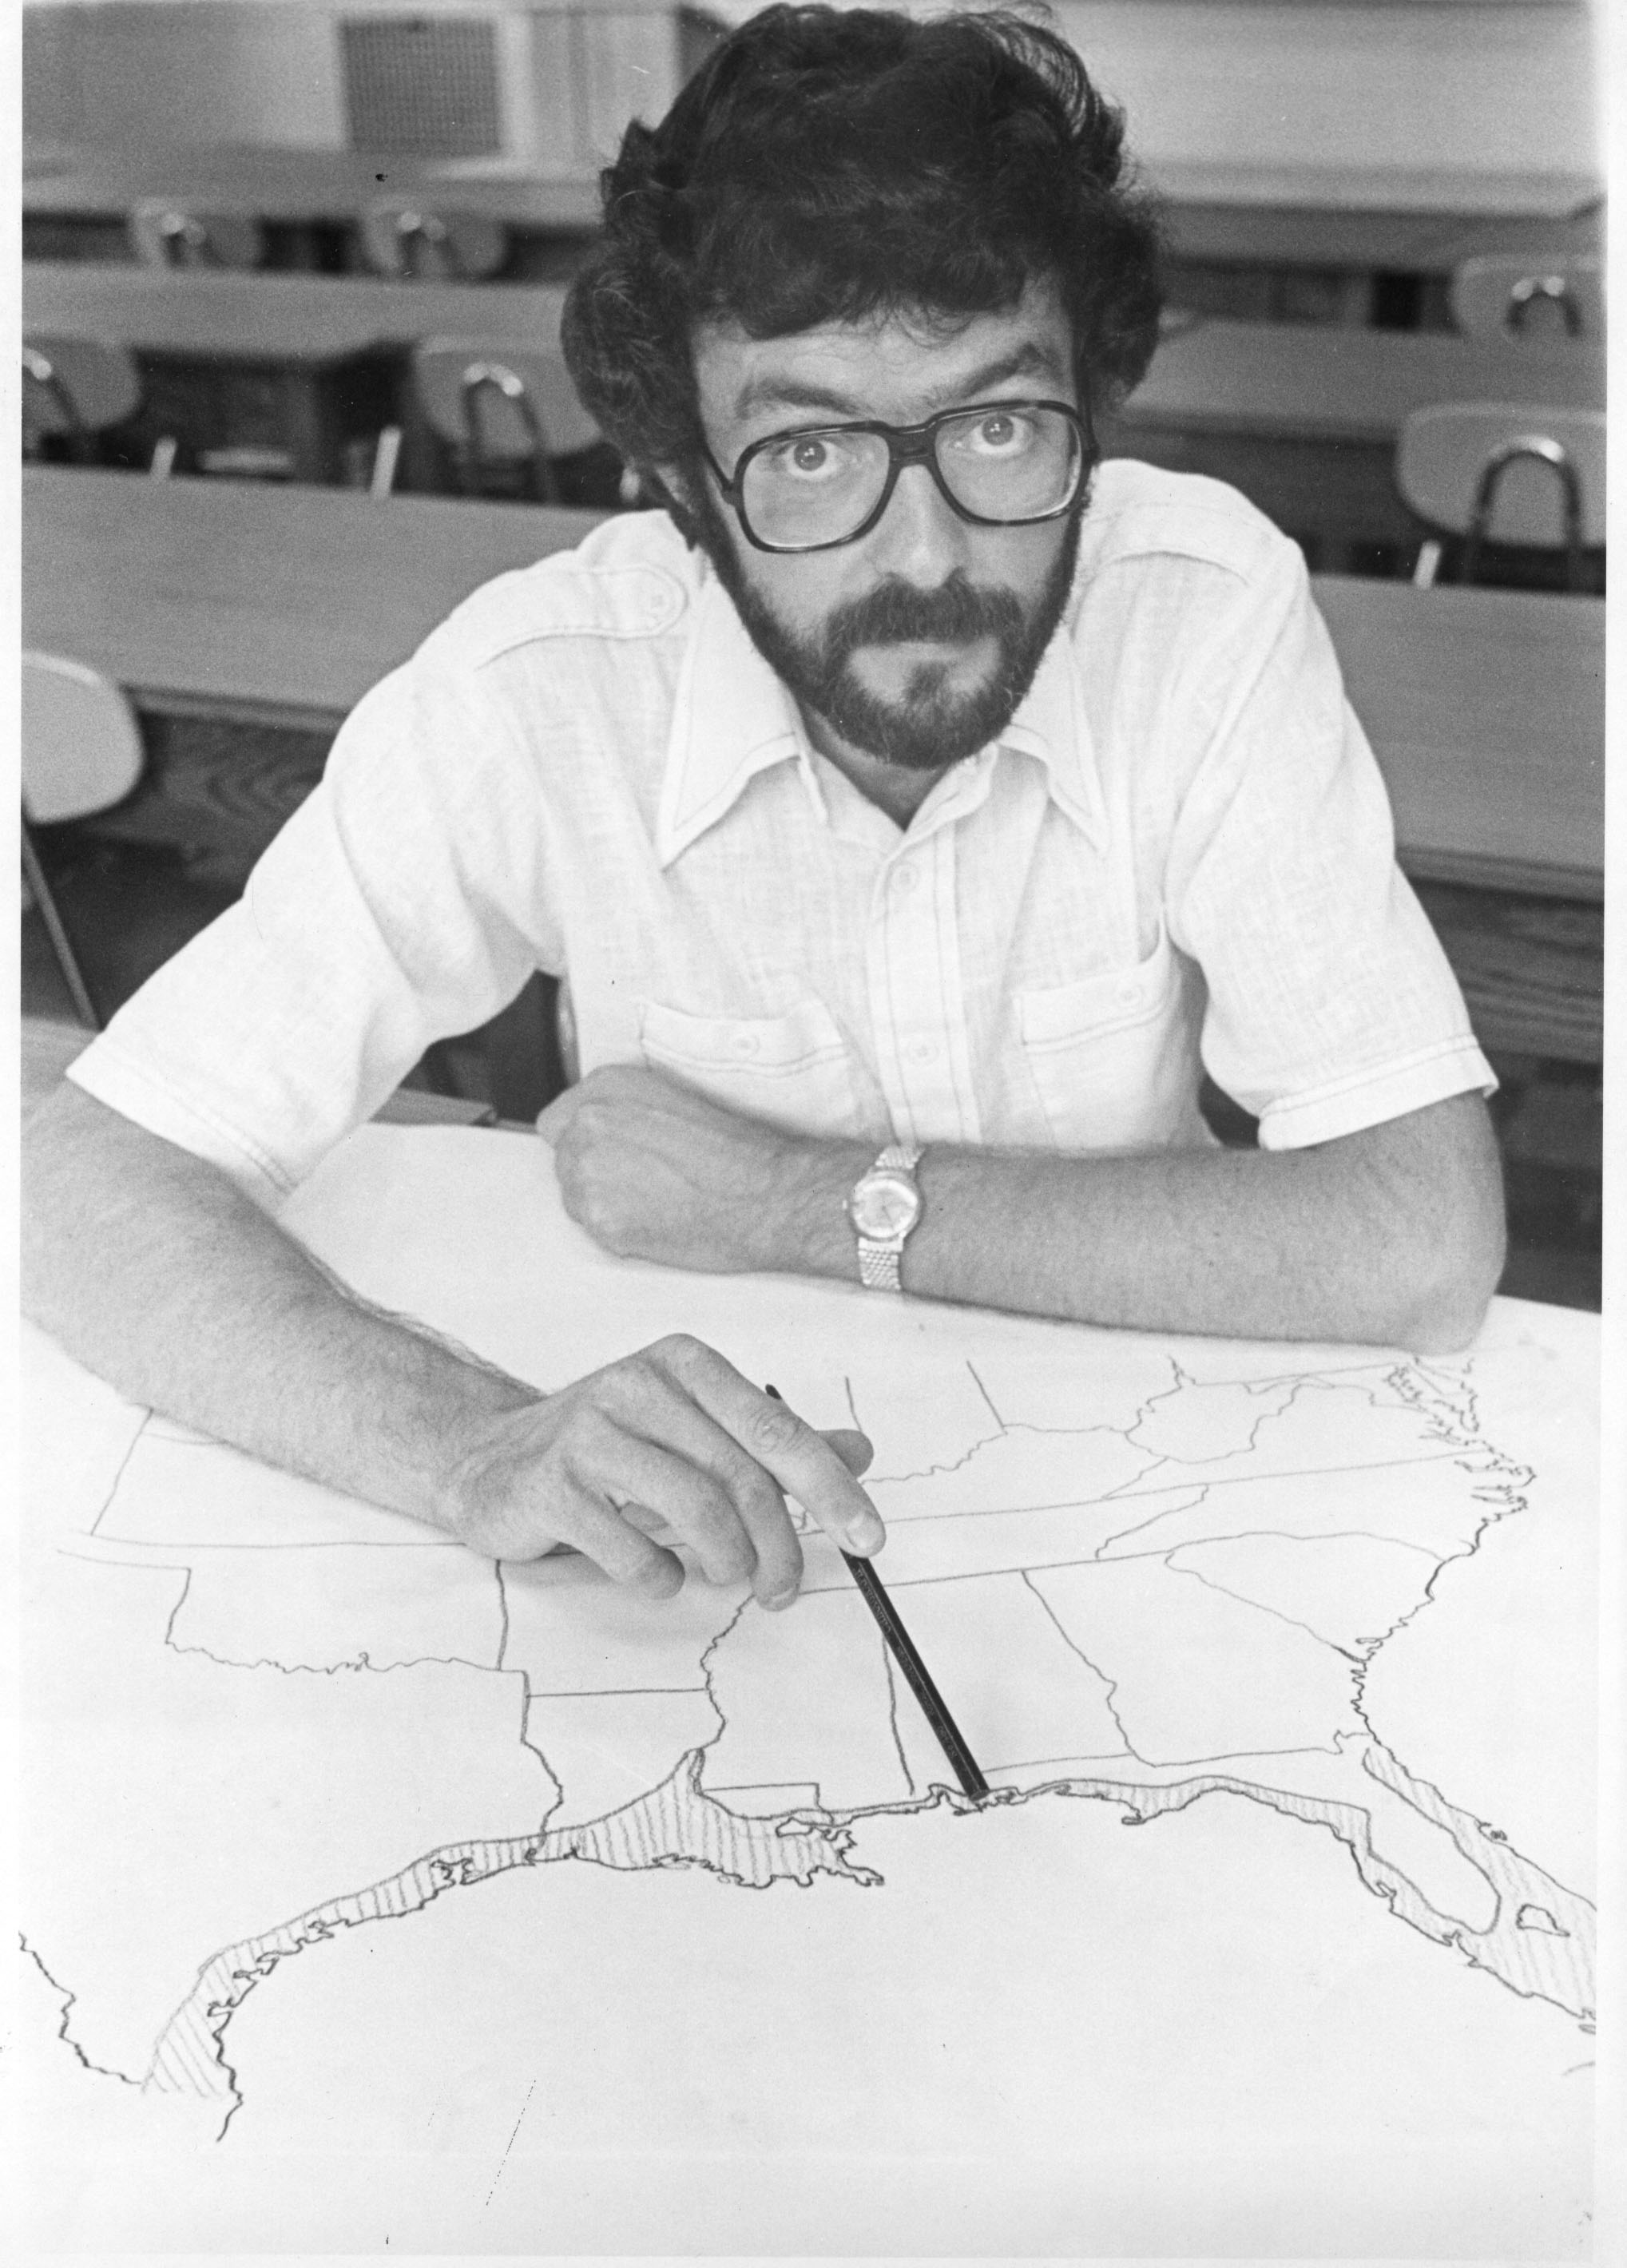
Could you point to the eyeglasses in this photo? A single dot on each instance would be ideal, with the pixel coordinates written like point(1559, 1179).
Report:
point(997, 464)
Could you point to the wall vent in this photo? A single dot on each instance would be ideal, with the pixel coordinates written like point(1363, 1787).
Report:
point(423, 85)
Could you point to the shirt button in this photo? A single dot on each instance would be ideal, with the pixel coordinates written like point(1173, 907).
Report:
point(1127, 995)
point(924, 1051)
point(744, 1043)
point(904, 879)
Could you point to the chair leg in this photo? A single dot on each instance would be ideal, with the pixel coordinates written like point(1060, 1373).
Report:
point(544, 480)
point(1427, 566)
point(67, 961)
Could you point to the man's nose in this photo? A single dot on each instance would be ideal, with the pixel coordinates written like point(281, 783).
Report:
point(918, 538)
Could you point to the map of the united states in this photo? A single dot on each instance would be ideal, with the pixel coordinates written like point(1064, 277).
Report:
point(1151, 1614)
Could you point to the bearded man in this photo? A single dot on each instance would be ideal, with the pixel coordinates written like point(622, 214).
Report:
point(915, 806)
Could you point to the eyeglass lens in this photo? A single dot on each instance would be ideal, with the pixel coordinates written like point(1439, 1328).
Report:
point(1003, 463)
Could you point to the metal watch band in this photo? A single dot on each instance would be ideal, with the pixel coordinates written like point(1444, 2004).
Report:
point(878, 1263)
point(878, 1267)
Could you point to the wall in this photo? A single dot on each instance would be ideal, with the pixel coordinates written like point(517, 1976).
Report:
point(176, 72)
point(1480, 88)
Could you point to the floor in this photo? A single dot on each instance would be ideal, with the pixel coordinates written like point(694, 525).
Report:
point(129, 906)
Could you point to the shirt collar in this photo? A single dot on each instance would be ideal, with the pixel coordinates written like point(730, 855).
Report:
point(733, 718)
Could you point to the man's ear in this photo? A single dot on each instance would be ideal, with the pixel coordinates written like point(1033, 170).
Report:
point(666, 485)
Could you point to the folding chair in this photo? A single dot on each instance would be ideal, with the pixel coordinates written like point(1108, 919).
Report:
point(404, 238)
point(1510, 296)
point(166, 234)
point(1504, 473)
point(74, 389)
point(81, 752)
point(503, 406)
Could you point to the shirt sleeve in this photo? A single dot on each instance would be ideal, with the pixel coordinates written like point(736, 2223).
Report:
point(405, 900)
point(1331, 1006)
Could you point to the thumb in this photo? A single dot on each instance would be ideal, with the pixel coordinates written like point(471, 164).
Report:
point(552, 1122)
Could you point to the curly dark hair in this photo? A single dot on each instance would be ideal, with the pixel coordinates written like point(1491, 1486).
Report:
point(831, 166)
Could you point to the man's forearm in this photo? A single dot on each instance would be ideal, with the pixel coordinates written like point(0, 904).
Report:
point(154, 1271)
point(1392, 1236)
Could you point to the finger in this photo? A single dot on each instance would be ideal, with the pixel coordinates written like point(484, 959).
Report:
point(593, 1527)
point(648, 1523)
point(856, 1450)
point(711, 1495)
point(799, 1460)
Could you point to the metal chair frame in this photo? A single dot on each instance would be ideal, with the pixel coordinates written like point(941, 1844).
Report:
point(496, 376)
point(1528, 448)
point(418, 233)
point(61, 946)
point(186, 241)
point(38, 370)
point(1555, 288)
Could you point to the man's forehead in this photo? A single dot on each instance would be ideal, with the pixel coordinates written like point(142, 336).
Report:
point(904, 362)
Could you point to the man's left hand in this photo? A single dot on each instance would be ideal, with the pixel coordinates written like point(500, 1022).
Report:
point(654, 1171)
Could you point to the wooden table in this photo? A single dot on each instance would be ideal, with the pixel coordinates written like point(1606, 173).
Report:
point(263, 604)
point(1484, 708)
point(48, 1048)
point(334, 350)
point(1236, 214)
point(82, 199)
point(191, 314)
point(1304, 418)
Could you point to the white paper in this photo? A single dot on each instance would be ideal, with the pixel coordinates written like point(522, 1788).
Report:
point(383, 1898)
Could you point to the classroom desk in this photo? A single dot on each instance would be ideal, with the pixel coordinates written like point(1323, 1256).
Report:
point(198, 313)
point(46, 1048)
point(1304, 418)
point(335, 348)
point(1244, 212)
point(1365, 223)
point(264, 604)
point(1409, 192)
point(86, 196)
point(1484, 708)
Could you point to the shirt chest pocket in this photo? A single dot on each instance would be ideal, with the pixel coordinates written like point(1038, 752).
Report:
point(1114, 1055)
point(792, 1070)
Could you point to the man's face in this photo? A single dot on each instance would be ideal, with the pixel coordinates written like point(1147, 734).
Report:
point(917, 642)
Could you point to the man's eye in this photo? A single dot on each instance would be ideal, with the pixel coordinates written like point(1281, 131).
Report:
point(1001, 433)
point(807, 457)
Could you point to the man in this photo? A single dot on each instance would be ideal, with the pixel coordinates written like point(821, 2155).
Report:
point(914, 806)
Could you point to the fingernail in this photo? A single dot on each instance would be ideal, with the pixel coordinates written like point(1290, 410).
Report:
point(781, 1600)
point(866, 1533)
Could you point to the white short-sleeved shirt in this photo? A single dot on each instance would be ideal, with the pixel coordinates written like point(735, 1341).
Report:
point(1179, 854)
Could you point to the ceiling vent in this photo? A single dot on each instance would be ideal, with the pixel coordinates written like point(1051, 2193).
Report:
point(423, 85)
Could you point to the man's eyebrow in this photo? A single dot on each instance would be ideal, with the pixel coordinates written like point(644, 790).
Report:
point(793, 395)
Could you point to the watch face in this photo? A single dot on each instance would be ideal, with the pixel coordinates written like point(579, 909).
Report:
point(885, 1205)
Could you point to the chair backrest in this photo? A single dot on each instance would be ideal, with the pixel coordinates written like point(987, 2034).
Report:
point(165, 233)
point(403, 237)
point(1509, 295)
point(75, 387)
point(1504, 462)
point(81, 744)
point(500, 401)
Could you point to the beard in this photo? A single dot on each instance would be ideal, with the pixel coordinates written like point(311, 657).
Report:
point(930, 726)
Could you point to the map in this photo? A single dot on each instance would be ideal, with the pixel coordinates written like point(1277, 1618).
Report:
point(279, 1728)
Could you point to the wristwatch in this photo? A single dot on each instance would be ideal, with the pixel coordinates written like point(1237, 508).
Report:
point(884, 1204)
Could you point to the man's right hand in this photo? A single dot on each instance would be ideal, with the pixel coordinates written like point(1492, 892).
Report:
point(668, 1447)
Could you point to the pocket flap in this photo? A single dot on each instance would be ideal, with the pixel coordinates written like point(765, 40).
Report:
point(1108, 1002)
point(806, 1035)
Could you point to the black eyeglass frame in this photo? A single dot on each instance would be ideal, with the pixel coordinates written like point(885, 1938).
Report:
point(907, 445)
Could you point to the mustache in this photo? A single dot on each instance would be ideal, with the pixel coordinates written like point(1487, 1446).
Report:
point(898, 613)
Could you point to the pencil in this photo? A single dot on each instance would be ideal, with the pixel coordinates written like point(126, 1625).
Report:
point(902, 1647)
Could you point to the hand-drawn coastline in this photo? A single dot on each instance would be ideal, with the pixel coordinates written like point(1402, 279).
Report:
point(1196, 1599)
